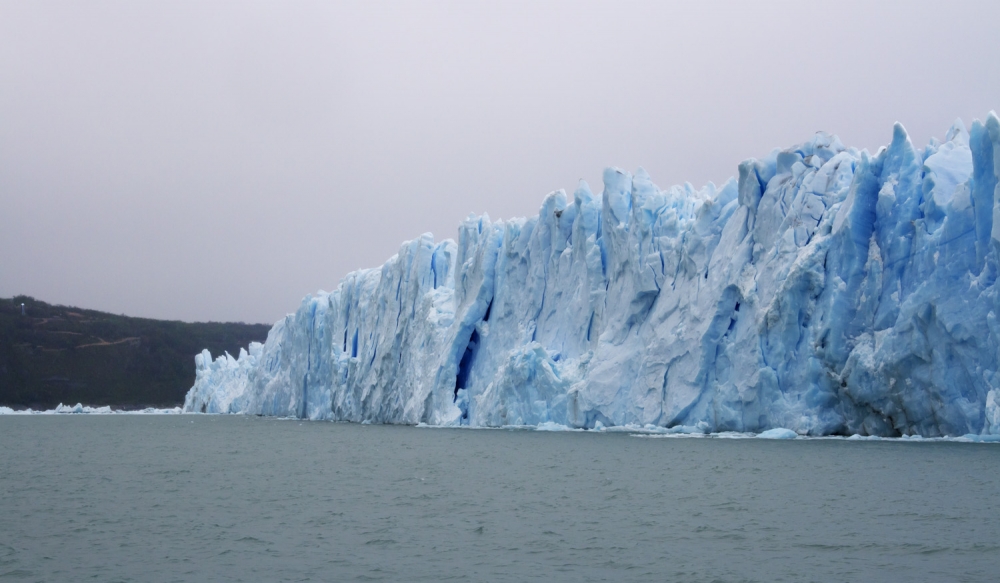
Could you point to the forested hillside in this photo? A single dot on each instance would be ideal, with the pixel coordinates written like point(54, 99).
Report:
point(58, 354)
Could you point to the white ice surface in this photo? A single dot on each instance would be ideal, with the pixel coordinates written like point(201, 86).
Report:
point(778, 433)
point(826, 291)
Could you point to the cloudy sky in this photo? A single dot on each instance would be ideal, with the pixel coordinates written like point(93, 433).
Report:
point(219, 160)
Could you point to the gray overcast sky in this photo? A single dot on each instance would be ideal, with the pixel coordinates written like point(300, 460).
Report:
point(220, 160)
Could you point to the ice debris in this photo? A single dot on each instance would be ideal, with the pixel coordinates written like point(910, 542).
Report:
point(80, 409)
point(827, 291)
point(778, 433)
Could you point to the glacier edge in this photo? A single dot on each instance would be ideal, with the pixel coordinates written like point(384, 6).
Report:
point(825, 290)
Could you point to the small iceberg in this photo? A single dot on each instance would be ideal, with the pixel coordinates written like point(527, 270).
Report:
point(553, 426)
point(778, 433)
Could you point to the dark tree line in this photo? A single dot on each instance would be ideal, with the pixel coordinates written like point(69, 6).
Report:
point(59, 354)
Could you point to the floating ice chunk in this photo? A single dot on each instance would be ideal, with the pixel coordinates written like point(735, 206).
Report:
point(778, 433)
point(553, 426)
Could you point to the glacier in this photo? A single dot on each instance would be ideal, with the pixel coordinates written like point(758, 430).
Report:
point(826, 291)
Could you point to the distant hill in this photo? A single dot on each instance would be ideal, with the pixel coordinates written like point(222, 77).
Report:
point(59, 354)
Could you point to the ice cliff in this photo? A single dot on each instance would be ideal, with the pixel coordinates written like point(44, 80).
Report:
point(827, 290)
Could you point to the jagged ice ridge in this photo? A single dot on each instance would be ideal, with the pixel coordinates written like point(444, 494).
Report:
point(828, 291)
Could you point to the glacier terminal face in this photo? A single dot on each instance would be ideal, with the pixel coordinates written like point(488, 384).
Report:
point(826, 291)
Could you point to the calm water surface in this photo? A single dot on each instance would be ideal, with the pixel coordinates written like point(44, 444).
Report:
point(205, 498)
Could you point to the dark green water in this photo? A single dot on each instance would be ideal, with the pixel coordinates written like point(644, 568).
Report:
point(202, 498)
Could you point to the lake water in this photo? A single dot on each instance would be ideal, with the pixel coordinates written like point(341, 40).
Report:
point(211, 498)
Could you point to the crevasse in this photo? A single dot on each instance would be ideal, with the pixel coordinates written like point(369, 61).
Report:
point(827, 290)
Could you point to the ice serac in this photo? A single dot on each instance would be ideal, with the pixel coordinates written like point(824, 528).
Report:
point(826, 291)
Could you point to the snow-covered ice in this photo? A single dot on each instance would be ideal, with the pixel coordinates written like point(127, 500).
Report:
point(826, 291)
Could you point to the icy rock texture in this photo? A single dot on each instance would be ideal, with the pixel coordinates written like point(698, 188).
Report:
point(827, 291)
